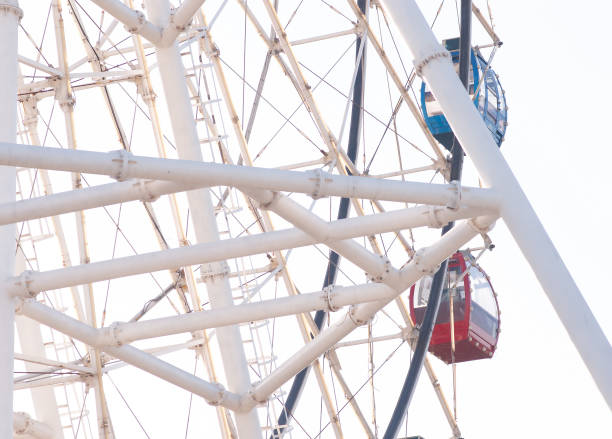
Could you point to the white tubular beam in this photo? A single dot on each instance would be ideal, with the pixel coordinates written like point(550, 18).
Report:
point(425, 261)
point(123, 165)
point(213, 393)
point(352, 31)
point(187, 141)
point(29, 283)
point(10, 14)
point(432, 61)
point(54, 365)
point(40, 66)
point(26, 427)
point(179, 20)
point(333, 300)
point(49, 382)
point(376, 267)
point(134, 21)
point(88, 198)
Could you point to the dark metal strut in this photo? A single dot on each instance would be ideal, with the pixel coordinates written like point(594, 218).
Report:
point(435, 294)
point(334, 259)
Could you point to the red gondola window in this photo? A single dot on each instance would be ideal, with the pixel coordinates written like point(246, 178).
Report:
point(475, 311)
point(483, 306)
point(424, 288)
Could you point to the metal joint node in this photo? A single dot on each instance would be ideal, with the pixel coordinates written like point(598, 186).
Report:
point(140, 21)
point(213, 50)
point(488, 242)
point(410, 334)
point(434, 221)
point(356, 320)
point(275, 47)
point(27, 421)
point(66, 100)
point(418, 263)
point(113, 331)
point(254, 398)
point(30, 121)
point(124, 158)
point(178, 27)
point(328, 293)
point(382, 275)
point(23, 282)
point(109, 335)
point(143, 189)
point(319, 178)
point(148, 95)
point(213, 271)
point(360, 28)
point(419, 64)
point(11, 9)
point(456, 201)
point(266, 205)
point(221, 395)
point(19, 305)
point(480, 229)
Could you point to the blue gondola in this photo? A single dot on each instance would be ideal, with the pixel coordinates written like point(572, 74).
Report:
point(490, 100)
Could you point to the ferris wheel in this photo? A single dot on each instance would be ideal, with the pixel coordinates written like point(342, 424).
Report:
point(228, 217)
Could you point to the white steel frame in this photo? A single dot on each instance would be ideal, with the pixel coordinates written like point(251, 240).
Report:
point(146, 179)
point(10, 14)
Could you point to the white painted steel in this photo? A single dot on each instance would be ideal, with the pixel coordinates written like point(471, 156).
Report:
point(33, 282)
point(31, 342)
point(375, 266)
point(45, 68)
point(148, 94)
point(180, 18)
point(212, 392)
point(162, 176)
point(134, 21)
point(428, 258)
point(66, 100)
point(122, 165)
point(519, 216)
point(248, 312)
point(26, 427)
point(187, 141)
point(426, 261)
point(88, 198)
point(48, 382)
point(353, 30)
point(30, 109)
point(54, 365)
point(10, 15)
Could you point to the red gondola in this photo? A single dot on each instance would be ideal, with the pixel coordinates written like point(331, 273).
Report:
point(475, 311)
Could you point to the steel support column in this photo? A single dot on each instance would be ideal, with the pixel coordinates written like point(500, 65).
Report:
point(10, 14)
point(217, 284)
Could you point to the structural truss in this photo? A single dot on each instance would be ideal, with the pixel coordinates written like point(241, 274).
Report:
point(169, 186)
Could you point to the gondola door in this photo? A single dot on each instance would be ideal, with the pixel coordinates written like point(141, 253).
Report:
point(459, 288)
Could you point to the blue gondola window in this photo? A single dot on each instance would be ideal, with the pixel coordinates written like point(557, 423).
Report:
point(490, 100)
